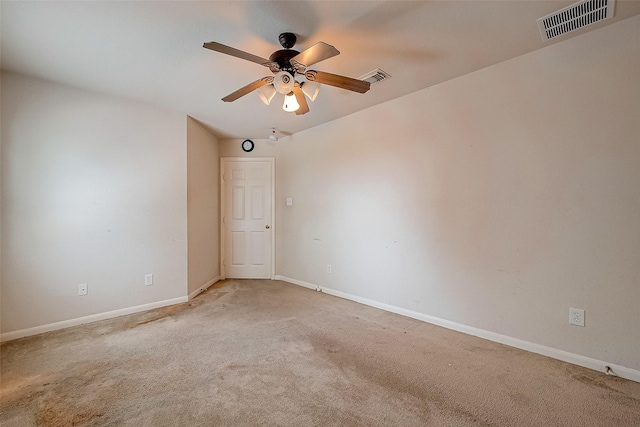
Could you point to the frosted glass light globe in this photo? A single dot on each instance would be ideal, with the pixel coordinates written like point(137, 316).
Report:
point(283, 82)
point(290, 103)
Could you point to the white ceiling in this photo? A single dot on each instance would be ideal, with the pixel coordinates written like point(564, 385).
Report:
point(152, 51)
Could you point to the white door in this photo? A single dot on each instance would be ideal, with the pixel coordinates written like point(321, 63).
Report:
point(247, 203)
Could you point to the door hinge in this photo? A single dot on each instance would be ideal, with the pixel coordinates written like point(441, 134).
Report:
point(224, 219)
point(224, 262)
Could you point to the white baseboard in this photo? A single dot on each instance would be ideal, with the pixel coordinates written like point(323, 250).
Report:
point(203, 288)
point(8, 336)
point(576, 359)
point(298, 282)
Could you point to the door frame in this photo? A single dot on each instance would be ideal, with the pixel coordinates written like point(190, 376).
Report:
point(223, 165)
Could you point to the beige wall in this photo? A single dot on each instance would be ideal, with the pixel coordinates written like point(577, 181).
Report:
point(496, 200)
point(93, 191)
point(203, 188)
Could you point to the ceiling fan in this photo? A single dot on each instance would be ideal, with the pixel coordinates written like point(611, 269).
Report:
point(286, 63)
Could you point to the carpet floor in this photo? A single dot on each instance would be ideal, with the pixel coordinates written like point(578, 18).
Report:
point(256, 352)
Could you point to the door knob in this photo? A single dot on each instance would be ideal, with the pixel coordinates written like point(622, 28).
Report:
point(267, 227)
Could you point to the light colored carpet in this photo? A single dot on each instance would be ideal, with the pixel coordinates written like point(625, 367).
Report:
point(255, 352)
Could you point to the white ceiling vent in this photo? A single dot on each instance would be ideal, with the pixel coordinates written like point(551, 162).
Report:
point(576, 16)
point(375, 76)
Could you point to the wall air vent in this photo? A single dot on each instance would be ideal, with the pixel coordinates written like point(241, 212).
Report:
point(573, 17)
point(375, 76)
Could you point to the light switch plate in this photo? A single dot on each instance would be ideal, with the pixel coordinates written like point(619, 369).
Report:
point(289, 201)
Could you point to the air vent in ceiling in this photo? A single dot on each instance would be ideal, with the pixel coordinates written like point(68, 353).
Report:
point(375, 76)
point(576, 16)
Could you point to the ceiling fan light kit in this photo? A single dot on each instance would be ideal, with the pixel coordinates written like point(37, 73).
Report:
point(290, 103)
point(285, 64)
point(283, 82)
point(311, 89)
point(266, 93)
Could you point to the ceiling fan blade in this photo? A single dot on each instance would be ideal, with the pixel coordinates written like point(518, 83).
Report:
point(304, 107)
point(219, 47)
point(343, 82)
point(316, 53)
point(247, 89)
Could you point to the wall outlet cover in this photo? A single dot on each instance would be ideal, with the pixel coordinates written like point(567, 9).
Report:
point(576, 316)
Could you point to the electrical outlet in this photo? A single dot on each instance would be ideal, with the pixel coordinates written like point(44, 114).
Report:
point(329, 268)
point(148, 279)
point(83, 289)
point(576, 316)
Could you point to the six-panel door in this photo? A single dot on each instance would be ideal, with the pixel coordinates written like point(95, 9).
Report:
point(247, 219)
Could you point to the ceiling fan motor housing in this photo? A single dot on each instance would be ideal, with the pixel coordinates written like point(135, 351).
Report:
point(282, 57)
